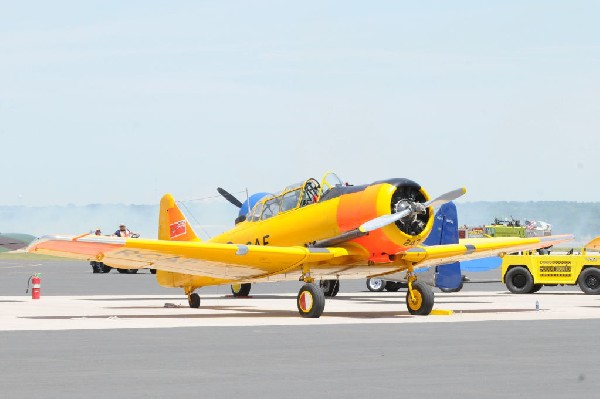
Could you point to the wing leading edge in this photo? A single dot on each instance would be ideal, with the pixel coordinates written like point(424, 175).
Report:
point(435, 255)
point(223, 261)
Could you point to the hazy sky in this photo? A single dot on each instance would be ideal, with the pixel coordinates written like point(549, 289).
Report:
point(119, 102)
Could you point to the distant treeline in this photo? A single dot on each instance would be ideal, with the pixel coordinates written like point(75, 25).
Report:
point(211, 218)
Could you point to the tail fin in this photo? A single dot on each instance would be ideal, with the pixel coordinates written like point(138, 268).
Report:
point(172, 225)
point(445, 231)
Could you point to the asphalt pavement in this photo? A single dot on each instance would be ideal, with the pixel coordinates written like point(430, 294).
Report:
point(486, 359)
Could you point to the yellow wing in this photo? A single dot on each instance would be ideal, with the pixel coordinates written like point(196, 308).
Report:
point(220, 261)
point(235, 262)
point(435, 255)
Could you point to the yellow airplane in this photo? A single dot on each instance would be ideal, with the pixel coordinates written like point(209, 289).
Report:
point(309, 231)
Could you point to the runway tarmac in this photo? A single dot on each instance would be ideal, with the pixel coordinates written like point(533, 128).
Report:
point(110, 335)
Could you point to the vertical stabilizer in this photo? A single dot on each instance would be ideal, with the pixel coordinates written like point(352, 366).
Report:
point(445, 231)
point(172, 225)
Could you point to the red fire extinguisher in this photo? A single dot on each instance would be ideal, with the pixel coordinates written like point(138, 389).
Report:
point(35, 282)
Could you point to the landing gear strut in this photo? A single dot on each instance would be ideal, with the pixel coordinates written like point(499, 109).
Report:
point(310, 301)
point(311, 298)
point(419, 298)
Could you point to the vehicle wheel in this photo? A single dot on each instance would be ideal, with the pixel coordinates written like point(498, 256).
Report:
point(128, 271)
point(393, 286)
point(95, 267)
point(536, 288)
point(194, 300)
point(375, 284)
point(152, 271)
point(105, 268)
point(330, 287)
point(310, 301)
point(423, 302)
point(241, 289)
point(457, 289)
point(589, 281)
point(518, 280)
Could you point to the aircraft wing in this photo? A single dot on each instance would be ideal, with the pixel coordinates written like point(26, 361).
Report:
point(435, 255)
point(219, 261)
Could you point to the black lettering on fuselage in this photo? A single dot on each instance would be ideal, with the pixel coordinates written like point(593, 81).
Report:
point(265, 242)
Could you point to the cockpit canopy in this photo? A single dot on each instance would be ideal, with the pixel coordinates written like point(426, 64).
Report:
point(294, 196)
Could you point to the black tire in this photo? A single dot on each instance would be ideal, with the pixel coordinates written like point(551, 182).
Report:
point(392, 286)
point(375, 284)
point(457, 289)
point(589, 281)
point(310, 301)
point(105, 268)
point(330, 287)
point(536, 288)
point(95, 267)
point(518, 280)
point(194, 300)
point(152, 271)
point(241, 289)
point(424, 299)
point(128, 271)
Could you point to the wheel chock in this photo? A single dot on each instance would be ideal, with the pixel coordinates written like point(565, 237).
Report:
point(441, 312)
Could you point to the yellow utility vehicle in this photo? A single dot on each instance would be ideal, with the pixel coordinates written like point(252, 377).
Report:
point(529, 272)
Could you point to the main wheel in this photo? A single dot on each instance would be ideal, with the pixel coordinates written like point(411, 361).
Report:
point(536, 288)
point(310, 301)
point(589, 281)
point(423, 300)
point(152, 271)
point(330, 287)
point(105, 268)
point(128, 271)
point(194, 300)
point(241, 289)
point(518, 280)
point(375, 284)
point(393, 286)
point(457, 289)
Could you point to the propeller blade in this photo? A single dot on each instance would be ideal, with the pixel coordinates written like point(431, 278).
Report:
point(229, 197)
point(384, 220)
point(449, 196)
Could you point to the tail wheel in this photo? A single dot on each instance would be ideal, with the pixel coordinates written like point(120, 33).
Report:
point(152, 271)
point(457, 289)
point(310, 301)
point(241, 289)
point(375, 284)
point(518, 280)
point(194, 300)
point(589, 281)
point(422, 300)
point(330, 287)
point(394, 286)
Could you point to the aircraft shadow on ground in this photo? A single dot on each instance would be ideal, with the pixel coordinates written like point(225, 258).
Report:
point(253, 313)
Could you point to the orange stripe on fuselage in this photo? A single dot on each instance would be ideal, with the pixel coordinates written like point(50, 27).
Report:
point(357, 208)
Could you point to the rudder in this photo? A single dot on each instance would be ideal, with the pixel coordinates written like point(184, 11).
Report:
point(172, 224)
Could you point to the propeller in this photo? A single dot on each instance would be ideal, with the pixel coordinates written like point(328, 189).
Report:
point(403, 209)
point(229, 197)
point(410, 208)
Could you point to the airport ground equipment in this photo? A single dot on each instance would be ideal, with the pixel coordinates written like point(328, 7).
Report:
point(528, 272)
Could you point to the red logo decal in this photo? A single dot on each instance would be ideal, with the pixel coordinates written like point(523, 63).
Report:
point(178, 229)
